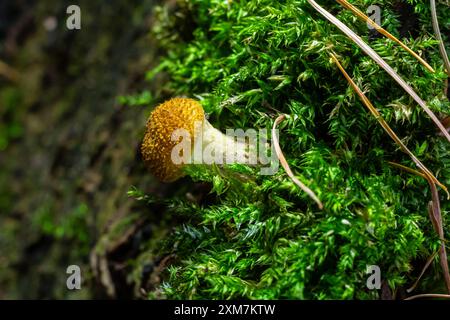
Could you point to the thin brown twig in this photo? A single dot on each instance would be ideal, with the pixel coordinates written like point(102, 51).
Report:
point(434, 211)
point(407, 169)
point(285, 165)
point(434, 222)
point(384, 32)
point(437, 32)
point(429, 261)
point(429, 295)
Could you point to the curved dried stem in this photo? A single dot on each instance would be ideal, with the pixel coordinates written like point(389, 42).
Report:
point(369, 51)
point(384, 32)
point(430, 259)
point(434, 211)
point(429, 295)
point(437, 32)
point(407, 169)
point(285, 165)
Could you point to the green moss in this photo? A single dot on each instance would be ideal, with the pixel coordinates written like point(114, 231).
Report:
point(264, 238)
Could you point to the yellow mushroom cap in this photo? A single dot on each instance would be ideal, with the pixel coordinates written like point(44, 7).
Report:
point(156, 148)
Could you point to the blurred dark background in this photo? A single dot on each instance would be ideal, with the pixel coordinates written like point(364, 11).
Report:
point(68, 148)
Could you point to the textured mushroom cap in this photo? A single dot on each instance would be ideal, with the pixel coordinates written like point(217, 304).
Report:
point(177, 113)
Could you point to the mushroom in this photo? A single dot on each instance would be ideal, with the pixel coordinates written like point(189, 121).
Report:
point(182, 118)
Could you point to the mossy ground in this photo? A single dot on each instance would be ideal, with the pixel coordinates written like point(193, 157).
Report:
point(262, 237)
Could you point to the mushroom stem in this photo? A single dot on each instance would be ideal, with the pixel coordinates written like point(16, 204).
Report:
point(213, 146)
